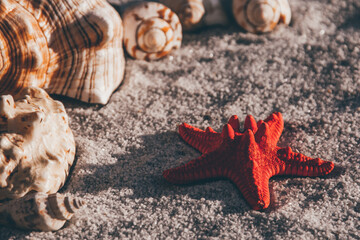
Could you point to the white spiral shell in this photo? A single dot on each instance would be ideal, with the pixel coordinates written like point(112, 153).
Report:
point(68, 47)
point(39, 211)
point(151, 31)
point(258, 16)
point(37, 147)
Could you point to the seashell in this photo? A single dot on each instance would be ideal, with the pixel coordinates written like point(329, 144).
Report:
point(151, 31)
point(39, 211)
point(70, 47)
point(261, 15)
point(194, 14)
point(190, 12)
point(37, 147)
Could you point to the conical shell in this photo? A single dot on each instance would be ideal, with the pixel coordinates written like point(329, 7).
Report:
point(70, 47)
point(151, 31)
point(194, 14)
point(261, 15)
point(39, 211)
point(37, 147)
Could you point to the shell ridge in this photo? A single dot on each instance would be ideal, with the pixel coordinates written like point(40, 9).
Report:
point(79, 37)
point(36, 211)
point(23, 58)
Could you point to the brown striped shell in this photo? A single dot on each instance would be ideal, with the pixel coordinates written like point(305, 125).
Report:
point(39, 211)
point(190, 12)
point(194, 14)
point(151, 31)
point(258, 16)
point(68, 47)
point(37, 147)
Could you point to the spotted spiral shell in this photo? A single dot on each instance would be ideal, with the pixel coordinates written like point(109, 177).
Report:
point(37, 147)
point(151, 31)
point(68, 47)
point(261, 15)
point(194, 14)
point(39, 211)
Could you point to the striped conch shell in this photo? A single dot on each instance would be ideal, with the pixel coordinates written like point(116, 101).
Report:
point(151, 31)
point(258, 16)
point(194, 14)
point(37, 147)
point(39, 211)
point(68, 47)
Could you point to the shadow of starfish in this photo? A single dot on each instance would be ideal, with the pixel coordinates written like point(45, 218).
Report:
point(141, 169)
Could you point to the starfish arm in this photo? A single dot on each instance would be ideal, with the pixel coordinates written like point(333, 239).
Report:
point(204, 141)
point(297, 164)
point(269, 130)
point(253, 185)
point(234, 123)
point(250, 123)
point(203, 167)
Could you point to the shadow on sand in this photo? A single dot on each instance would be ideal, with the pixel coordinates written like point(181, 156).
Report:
point(141, 170)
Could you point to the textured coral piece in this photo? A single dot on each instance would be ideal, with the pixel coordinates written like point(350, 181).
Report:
point(70, 47)
point(151, 31)
point(39, 211)
point(37, 147)
point(194, 14)
point(249, 158)
point(259, 16)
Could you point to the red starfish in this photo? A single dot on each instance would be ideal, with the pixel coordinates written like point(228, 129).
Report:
point(249, 159)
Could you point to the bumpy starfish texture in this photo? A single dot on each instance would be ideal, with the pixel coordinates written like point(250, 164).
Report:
point(249, 158)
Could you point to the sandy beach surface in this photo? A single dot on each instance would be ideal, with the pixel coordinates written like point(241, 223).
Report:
point(309, 71)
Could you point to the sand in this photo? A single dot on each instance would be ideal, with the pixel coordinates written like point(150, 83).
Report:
point(309, 71)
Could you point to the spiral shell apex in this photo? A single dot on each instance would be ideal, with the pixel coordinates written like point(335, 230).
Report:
point(151, 31)
point(69, 47)
point(39, 211)
point(261, 15)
